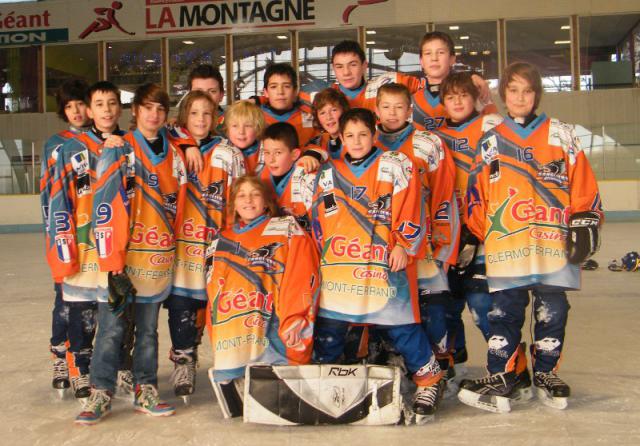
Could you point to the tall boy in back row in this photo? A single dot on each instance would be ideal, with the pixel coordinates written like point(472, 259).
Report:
point(533, 199)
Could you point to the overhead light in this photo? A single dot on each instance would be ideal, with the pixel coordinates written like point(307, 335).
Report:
point(565, 27)
point(458, 47)
point(458, 53)
point(473, 53)
point(150, 60)
point(486, 52)
point(282, 37)
point(454, 27)
point(371, 31)
point(371, 42)
point(188, 42)
point(464, 37)
point(562, 42)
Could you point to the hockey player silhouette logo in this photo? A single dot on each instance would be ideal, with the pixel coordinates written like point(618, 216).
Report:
point(105, 21)
point(170, 203)
point(547, 344)
point(213, 194)
point(379, 209)
point(263, 256)
point(346, 14)
point(554, 172)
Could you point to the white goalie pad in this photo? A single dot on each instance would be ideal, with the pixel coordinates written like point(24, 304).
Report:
point(229, 395)
point(322, 394)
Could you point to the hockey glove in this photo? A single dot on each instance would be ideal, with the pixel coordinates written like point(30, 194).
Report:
point(120, 288)
point(468, 247)
point(584, 238)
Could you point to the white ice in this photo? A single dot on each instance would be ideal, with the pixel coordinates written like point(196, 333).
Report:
point(601, 362)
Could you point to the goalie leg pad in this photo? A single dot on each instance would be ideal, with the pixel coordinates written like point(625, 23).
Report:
point(229, 395)
point(322, 394)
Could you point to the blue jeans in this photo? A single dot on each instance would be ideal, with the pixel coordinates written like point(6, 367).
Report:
point(506, 318)
point(59, 323)
point(409, 340)
point(107, 353)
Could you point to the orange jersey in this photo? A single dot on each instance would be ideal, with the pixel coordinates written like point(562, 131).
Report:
point(294, 194)
point(437, 173)
point(72, 246)
point(47, 167)
point(525, 184)
point(359, 214)
point(262, 296)
point(462, 142)
point(253, 158)
point(429, 113)
point(300, 119)
point(204, 214)
point(138, 202)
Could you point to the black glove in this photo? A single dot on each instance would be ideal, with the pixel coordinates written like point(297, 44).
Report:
point(584, 239)
point(467, 248)
point(120, 288)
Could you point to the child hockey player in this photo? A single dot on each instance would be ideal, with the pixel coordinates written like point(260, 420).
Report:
point(70, 99)
point(281, 94)
point(367, 221)
point(436, 172)
point(203, 217)
point(533, 200)
point(328, 106)
point(139, 199)
point(437, 56)
point(244, 124)
point(292, 187)
point(208, 79)
point(260, 292)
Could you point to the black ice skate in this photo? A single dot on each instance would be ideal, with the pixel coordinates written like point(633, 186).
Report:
point(81, 387)
point(183, 377)
point(491, 393)
point(60, 381)
point(552, 391)
point(426, 401)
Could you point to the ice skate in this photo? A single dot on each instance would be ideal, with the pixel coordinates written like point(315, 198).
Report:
point(148, 402)
point(60, 380)
point(552, 391)
point(96, 407)
point(426, 401)
point(183, 377)
point(491, 393)
point(522, 390)
point(80, 386)
point(124, 384)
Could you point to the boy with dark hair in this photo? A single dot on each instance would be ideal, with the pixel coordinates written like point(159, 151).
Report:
point(436, 172)
point(138, 201)
point(281, 94)
point(531, 192)
point(350, 66)
point(437, 56)
point(367, 219)
point(71, 108)
point(292, 187)
point(72, 245)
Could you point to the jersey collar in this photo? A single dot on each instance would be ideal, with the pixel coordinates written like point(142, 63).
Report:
point(241, 229)
point(393, 141)
point(525, 132)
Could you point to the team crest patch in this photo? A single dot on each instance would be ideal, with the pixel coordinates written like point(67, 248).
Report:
point(214, 195)
point(83, 185)
point(263, 256)
point(380, 209)
point(80, 163)
point(554, 172)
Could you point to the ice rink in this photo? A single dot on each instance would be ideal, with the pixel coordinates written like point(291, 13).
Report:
point(601, 363)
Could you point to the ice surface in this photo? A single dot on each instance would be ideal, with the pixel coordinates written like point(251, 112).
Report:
point(601, 362)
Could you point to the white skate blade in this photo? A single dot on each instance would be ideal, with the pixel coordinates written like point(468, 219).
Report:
point(61, 393)
point(555, 402)
point(421, 420)
point(186, 400)
point(461, 370)
point(451, 389)
point(521, 396)
point(490, 403)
